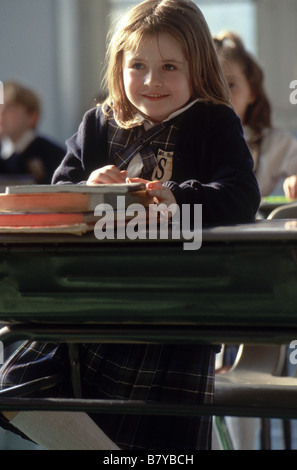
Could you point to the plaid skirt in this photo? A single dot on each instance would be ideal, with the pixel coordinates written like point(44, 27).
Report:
point(181, 374)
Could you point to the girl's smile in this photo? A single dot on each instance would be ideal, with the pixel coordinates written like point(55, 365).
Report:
point(155, 97)
point(156, 77)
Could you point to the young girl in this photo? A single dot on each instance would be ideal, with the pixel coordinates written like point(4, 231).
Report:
point(274, 151)
point(167, 120)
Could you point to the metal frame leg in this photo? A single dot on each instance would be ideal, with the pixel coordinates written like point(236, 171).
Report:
point(222, 433)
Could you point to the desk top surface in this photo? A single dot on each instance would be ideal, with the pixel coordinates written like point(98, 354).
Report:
point(261, 230)
point(281, 229)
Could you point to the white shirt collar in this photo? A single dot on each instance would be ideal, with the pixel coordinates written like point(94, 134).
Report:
point(147, 123)
point(8, 147)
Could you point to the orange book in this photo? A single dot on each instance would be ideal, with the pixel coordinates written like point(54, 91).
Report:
point(49, 219)
point(47, 202)
point(69, 198)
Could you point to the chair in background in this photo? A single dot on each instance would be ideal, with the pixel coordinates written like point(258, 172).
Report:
point(288, 211)
point(259, 373)
point(257, 378)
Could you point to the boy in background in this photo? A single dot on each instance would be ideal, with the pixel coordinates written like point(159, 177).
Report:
point(24, 154)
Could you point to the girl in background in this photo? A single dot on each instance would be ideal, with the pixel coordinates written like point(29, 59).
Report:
point(274, 151)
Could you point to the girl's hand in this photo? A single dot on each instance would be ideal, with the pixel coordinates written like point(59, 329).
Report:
point(107, 174)
point(155, 189)
point(290, 187)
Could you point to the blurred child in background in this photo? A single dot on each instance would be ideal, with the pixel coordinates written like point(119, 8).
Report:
point(274, 151)
point(24, 152)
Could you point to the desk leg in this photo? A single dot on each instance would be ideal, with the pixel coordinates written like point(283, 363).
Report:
point(74, 358)
point(222, 433)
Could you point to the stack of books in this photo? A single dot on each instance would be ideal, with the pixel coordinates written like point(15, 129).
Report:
point(65, 208)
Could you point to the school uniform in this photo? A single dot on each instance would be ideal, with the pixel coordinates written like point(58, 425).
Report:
point(202, 153)
point(211, 162)
point(34, 156)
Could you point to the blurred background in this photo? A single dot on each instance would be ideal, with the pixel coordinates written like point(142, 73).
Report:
point(57, 48)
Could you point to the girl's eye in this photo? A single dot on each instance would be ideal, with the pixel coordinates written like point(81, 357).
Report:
point(169, 67)
point(137, 66)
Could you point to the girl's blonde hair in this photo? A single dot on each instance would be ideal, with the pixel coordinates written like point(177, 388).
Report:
point(230, 48)
point(185, 22)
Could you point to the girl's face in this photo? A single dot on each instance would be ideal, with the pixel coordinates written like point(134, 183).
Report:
point(241, 92)
point(156, 77)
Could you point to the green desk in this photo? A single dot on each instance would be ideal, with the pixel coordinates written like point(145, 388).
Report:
point(239, 287)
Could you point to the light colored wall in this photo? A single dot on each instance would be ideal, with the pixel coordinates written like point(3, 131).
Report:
point(56, 47)
point(82, 27)
point(277, 40)
point(27, 50)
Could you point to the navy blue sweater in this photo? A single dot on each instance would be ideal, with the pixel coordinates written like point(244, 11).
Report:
point(212, 164)
point(48, 153)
